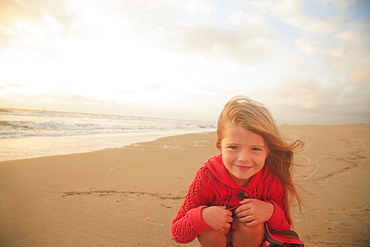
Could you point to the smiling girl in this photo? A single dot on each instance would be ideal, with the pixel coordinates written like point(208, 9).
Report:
point(243, 196)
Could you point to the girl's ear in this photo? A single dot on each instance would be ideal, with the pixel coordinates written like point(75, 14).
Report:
point(218, 146)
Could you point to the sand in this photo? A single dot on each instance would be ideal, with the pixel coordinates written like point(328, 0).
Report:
point(128, 196)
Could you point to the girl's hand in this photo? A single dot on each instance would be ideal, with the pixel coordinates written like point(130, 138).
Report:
point(253, 212)
point(217, 217)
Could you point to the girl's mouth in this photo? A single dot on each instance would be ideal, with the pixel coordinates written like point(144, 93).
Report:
point(243, 167)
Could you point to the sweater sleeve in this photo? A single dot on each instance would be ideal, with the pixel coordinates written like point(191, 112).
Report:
point(279, 220)
point(189, 223)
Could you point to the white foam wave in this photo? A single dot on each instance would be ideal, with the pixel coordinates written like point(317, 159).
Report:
point(18, 123)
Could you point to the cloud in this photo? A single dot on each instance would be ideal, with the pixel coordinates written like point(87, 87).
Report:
point(310, 98)
point(56, 99)
point(45, 27)
point(216, 42)
point(339, 4)
point(21, 16)
point(249, 40)
point(309, 46)
point(360, 74)
point(8, 85)
point(187, 57)
point(291, 13)
point(153, 87)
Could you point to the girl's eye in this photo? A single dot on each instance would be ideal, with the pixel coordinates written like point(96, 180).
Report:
point(256, 149)
point(233, 147)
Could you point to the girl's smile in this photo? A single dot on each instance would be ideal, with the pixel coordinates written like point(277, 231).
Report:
point(243, 167)
point(243, 153)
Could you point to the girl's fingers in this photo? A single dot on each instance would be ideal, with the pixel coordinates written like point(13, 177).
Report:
point(246, 201)
point(246, 219)
point(241, 214)
point(242, 208)
point(229, 219)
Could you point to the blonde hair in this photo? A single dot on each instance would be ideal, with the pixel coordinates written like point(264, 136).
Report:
point(255, 117)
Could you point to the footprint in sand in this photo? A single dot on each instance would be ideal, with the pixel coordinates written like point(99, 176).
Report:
point(150, 221)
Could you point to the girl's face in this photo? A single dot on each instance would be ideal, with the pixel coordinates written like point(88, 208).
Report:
point(243, 153)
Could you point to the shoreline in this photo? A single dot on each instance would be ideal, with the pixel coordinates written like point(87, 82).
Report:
point(35, 147)
point(40, 146)
point(128, 196)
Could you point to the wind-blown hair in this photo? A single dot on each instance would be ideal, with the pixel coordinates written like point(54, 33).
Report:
point(255, 117)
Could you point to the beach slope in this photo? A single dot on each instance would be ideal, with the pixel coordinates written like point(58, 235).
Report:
point(128, 196)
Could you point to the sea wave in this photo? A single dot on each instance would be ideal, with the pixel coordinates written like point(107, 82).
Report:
point(28, 123)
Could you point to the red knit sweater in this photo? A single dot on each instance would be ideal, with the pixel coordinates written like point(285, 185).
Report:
point(213, 186)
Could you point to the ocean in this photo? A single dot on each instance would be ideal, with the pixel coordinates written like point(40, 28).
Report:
point(35, 133)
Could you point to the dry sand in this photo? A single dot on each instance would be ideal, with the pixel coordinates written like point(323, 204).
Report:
point(128, 196)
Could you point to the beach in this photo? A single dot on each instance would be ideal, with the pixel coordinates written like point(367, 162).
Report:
point(128, 196)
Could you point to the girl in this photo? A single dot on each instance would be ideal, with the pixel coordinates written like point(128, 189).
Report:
point(243, 196)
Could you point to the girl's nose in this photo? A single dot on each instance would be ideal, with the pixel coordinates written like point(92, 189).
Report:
point(244, 157)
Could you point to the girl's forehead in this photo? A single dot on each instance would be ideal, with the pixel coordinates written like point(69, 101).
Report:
point(241, 133)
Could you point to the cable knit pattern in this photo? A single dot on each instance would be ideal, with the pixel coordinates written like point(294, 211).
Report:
point(213, 186)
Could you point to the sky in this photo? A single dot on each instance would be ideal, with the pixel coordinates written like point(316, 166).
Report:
point(307, 60)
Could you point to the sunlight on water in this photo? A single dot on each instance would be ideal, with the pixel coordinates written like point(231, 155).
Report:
point(27, 133)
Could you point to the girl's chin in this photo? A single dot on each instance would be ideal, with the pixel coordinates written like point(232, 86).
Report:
point(240, 180)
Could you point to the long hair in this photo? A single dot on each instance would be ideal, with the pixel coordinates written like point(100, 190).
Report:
point(255, 117)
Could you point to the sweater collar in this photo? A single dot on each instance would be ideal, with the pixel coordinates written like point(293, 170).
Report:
point(217, 167)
